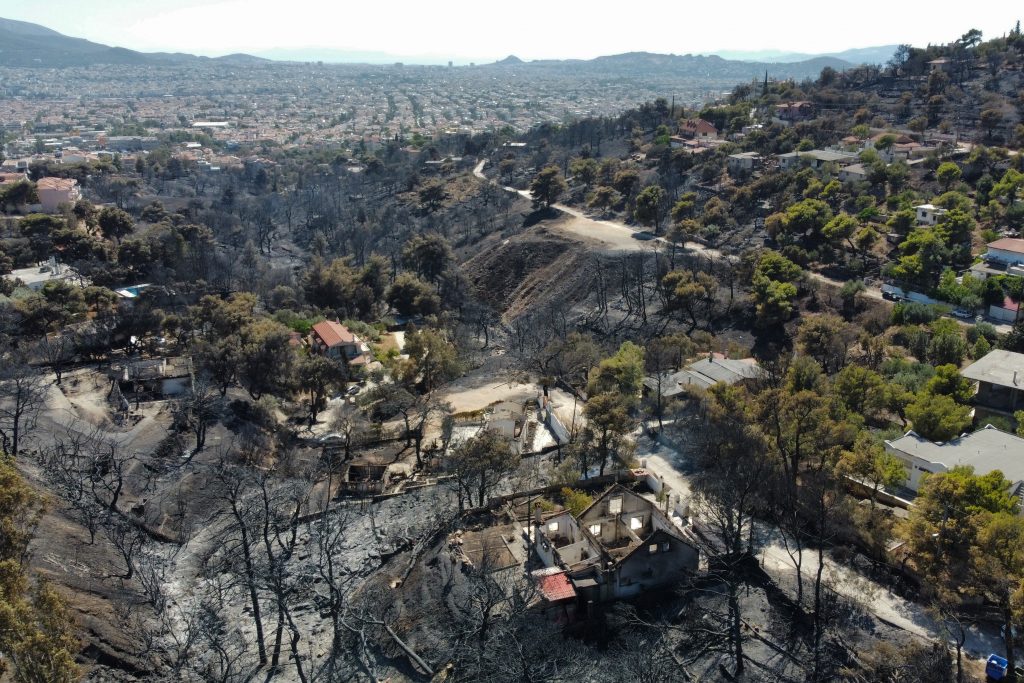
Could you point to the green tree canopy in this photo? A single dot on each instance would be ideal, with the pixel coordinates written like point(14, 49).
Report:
point(938, 417)
point(547, 187)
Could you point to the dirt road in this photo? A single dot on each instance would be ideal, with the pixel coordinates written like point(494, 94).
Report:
point(619, 237)
point(672, 466)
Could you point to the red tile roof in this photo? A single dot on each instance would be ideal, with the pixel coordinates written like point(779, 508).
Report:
point(1008, 244)
point(332, 334)
point(56, 183)
point(7, 178)
point(556, 587)
point(697, 126)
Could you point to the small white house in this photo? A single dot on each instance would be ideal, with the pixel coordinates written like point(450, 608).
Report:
point(853, 173)
point(744, 162)
point(929, 214)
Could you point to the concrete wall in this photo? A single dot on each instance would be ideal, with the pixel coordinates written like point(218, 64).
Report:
point(557, 428)
point(1002, 314)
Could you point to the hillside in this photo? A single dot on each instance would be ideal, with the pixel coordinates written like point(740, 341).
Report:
point(24, 44)
point(651, 65)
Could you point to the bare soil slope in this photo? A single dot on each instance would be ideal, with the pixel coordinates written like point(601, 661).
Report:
point(530, 270)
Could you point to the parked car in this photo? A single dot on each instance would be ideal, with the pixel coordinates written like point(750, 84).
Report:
point(962, 314)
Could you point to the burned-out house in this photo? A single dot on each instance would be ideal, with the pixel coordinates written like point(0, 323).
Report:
point(512, 421)
point(619, 547)
point(363, 478)
point(152, 379)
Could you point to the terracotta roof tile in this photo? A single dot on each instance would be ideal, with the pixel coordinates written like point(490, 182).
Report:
point(1008, 244)
point(56, 183)
point(333, 333)
point(556, 587)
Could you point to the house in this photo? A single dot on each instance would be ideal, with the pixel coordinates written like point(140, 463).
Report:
point(901, 146)
point(1007, 252)
point(853, 173)
point(1009, 311)
point(985, 450)
point(940, 64)
point(929, 214)
point(698, 129)
point(1000, 378)
point(155, 379)
point(556, 595)
point(12, 178)
point(692, 145)
point(815, 158)
point(511, 420)
point(56, 191)
point(334, 340)
point(15, 166)
point(364, 478)
point(703, 374)
point(743, 163)
point(619, 547)
point(791, 112)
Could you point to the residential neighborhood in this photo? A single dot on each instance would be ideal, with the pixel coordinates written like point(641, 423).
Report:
point(599, 365)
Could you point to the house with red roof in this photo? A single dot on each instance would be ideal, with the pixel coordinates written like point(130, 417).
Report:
point(333, 340)
point(56, 191)
point(698, 129)
point(790, 112)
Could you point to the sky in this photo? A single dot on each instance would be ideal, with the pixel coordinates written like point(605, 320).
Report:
point(465, 30)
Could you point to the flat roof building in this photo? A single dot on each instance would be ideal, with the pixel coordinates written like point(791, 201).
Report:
point(985, 450)
point(1000, 378)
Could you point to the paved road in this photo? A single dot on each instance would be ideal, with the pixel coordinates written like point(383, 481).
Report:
point(621, 237)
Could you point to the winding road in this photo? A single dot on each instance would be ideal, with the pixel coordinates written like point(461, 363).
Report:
point(619, 237)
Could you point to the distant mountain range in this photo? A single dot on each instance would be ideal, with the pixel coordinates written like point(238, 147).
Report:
point(639, 65)
point(861, 55)
point(26, 45)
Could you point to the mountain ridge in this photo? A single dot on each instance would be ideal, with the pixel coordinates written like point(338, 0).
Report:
point(24, 44)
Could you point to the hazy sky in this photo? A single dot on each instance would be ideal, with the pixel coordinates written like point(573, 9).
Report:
point(531, 29)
